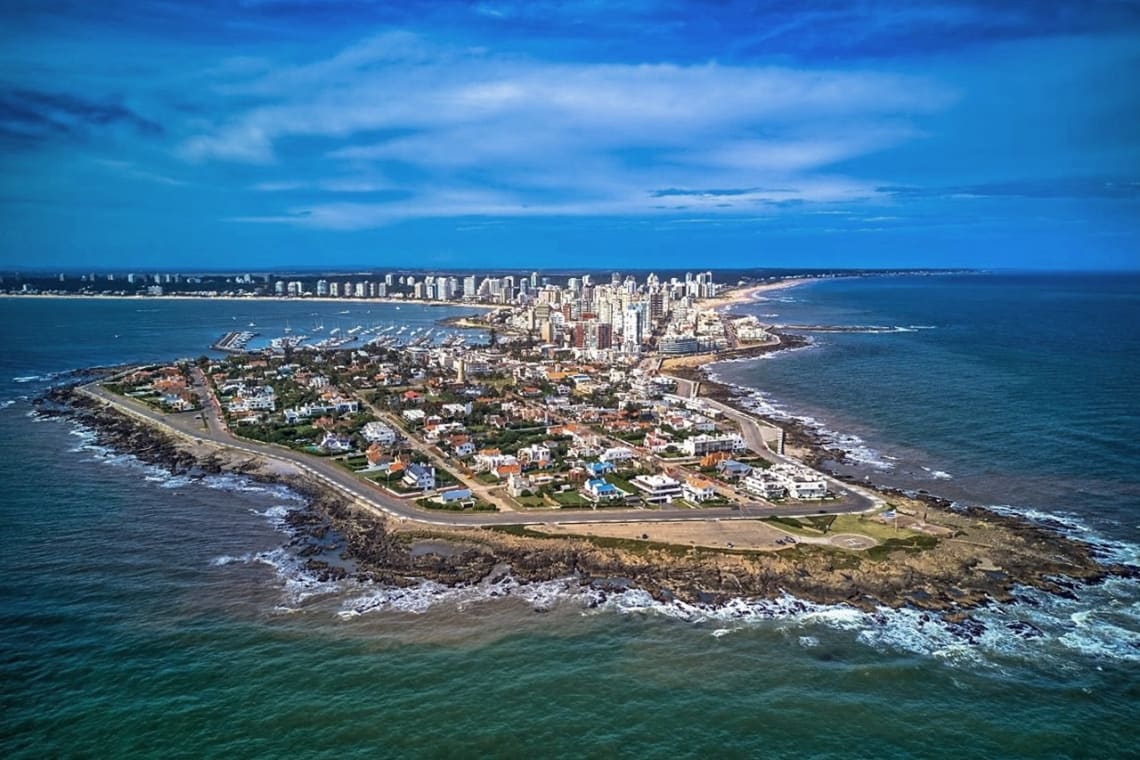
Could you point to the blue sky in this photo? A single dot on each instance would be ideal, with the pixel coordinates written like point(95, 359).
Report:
point(272, 133)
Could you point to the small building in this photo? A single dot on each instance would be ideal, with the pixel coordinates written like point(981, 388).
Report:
point(453, 496)
point(518, 484)
point(732, 469)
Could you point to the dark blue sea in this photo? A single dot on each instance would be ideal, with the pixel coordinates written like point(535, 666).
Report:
point(143, 615)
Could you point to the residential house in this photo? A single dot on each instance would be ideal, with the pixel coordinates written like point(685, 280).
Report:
point(454, 495)
point(335, 443)
point(599, 469)
point(658, 489)
point(505, 469)
point(378, 432)
point(536, 455)
point(732, 469)
point(420, 476)
point(598, 489)
point(801, 482)
point(764, 485)
point(699, 445)
point(617, 454)
point(698, 490)
point(519, 484)
point(456, 410)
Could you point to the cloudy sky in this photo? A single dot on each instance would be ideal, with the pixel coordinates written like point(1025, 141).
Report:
point(211, 133)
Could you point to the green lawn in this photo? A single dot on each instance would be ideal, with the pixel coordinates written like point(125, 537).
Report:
point(622, 483)
point(572, 499)
point(868, 526)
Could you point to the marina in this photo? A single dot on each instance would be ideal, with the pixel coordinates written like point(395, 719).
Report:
point(234, 342)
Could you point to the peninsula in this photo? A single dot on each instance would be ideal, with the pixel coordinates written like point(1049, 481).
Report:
point(581, 442)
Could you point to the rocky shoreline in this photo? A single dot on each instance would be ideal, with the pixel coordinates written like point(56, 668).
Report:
point(985, 559)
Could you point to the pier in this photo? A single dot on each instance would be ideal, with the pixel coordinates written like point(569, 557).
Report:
point(234, 342)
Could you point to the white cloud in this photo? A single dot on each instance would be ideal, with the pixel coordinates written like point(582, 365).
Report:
point(556, 138)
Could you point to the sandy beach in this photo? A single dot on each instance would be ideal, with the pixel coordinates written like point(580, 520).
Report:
point(747, 294)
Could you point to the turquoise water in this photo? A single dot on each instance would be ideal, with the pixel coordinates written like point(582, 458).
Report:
point(143, 615)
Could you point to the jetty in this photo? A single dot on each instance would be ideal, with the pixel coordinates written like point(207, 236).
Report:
point(234, 342)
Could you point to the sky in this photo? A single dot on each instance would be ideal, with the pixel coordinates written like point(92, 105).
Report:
point(274, 133)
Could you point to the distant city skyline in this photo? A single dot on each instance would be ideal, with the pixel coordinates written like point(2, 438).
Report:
point(274, 135)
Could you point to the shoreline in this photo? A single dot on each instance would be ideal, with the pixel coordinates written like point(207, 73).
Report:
point(945, 575)
point(252, 299)
point(738, 296)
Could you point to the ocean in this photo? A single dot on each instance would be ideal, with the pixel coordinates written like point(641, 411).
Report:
point(145, 615)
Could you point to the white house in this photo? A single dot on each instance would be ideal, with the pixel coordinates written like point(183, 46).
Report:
point(702, 444)
point(456, 410)
point(378, 432)
point(537, 455)
point(764, 485)
point(616, 454)
point(801, 482)
point(413, 415)
point(698, 490)
point(658, 489)
point(335, 443)
point(517, 484)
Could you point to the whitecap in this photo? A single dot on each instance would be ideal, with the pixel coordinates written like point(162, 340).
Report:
point(226, 559)
point(855, 448)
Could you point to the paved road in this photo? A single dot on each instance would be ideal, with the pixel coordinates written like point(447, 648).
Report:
point(757, 435)
point(371, 496)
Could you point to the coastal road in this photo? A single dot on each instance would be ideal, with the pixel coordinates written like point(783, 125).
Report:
point(370, 496)
point(766, 440)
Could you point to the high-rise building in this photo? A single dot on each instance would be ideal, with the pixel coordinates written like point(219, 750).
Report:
point(605, 336)
point(469, 286)
point(579, 334)
point(631, 329)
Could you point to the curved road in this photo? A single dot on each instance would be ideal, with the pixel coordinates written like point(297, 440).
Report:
point(372, 497)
